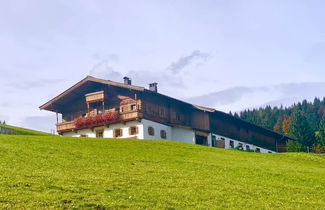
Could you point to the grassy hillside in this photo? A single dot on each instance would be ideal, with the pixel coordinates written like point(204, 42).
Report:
point(24, 131)
point(58, 172)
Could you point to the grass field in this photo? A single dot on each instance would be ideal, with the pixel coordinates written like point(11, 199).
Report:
point(24, 131)
point(60, 172)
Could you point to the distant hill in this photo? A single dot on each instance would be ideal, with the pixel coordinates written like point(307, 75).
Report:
point(54, 172)
point(239, 98)
point(8, 129)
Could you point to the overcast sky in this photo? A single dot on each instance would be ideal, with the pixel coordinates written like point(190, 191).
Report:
point(191, 48)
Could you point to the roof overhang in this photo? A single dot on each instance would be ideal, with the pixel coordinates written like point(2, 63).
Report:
point(49, 105)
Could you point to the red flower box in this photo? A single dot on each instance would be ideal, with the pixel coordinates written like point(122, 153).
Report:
point(95, 120)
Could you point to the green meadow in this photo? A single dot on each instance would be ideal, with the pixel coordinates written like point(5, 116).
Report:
point(44, 172)
point(23, 131)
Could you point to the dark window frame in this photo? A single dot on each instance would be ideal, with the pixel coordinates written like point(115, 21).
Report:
point(133, 130)
point(151, 131)
point(231, 144)
point(117, 132)
point(163, 134)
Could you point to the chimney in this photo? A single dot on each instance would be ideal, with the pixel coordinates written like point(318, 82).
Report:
point(127, 81)
point(153, 87)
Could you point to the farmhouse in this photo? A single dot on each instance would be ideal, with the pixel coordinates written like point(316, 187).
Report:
point(106, 109)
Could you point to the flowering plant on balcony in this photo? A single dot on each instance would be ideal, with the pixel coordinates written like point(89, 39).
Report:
point(109, 116)
point(95, 120)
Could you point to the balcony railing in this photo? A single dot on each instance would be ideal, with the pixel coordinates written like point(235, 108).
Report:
point(65, 126)
point(82, 123)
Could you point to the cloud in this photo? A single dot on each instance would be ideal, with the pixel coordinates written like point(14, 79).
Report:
point(33, 84)
point(162, 78)
point(181, 63)
point(239, 98)
point(104, 70)
point(223, 97)
point(109, 57)
point(5, 105)
point(40, 123)
point(4, 118)
point(316, 52)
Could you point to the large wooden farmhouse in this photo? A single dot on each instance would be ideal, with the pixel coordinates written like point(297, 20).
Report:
point(101, 108)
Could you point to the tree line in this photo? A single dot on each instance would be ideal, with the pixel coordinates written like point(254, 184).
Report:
point(303, 121)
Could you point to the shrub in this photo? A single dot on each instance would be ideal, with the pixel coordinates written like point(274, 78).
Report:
point(294, 146)
point(239, 147)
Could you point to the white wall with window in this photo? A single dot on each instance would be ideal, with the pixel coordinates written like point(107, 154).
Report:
point(232, 143)
point(81, 133)
point(146, 129)
point(125, 130)
point(149, 126)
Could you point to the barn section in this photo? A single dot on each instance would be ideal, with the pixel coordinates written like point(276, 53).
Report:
point(234, 128)
point(146, 107)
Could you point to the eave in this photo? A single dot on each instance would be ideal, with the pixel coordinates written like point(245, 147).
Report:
point(47, 105)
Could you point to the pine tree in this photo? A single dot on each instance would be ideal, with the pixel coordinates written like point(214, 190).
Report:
point(321, 134)
point(301, 130)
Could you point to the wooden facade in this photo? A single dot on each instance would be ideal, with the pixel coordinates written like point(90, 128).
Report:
point(93, 96)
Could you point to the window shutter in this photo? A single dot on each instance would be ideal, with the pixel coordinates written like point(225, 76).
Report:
point(130, 131)
point(136, 130)
point(121, 132)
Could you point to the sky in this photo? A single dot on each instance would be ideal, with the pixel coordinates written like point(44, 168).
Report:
point(191, 48)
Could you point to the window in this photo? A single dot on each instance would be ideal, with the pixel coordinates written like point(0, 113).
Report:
point(247, 147)
point(133, 130)
point(257, 149)
point(214, 141)
point(231, 143)
point(133, 107)
point(83, 135)
point(99, 133)
point(163, 134)
point(151, 131)
point(118, 132)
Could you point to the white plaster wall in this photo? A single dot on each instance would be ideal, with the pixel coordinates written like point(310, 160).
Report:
point(157, 127)
point(210, 140)
point(236, 143)
point(183, 135)
point(88, 132)
point(108, 132)
point(173, 133)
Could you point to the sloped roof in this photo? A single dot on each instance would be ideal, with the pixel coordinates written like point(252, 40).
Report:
point(87, 79)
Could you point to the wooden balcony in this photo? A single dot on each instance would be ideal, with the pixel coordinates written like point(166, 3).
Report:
point(65, 126)
point(95, 96)
point(130, 115)
point(123, 117)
